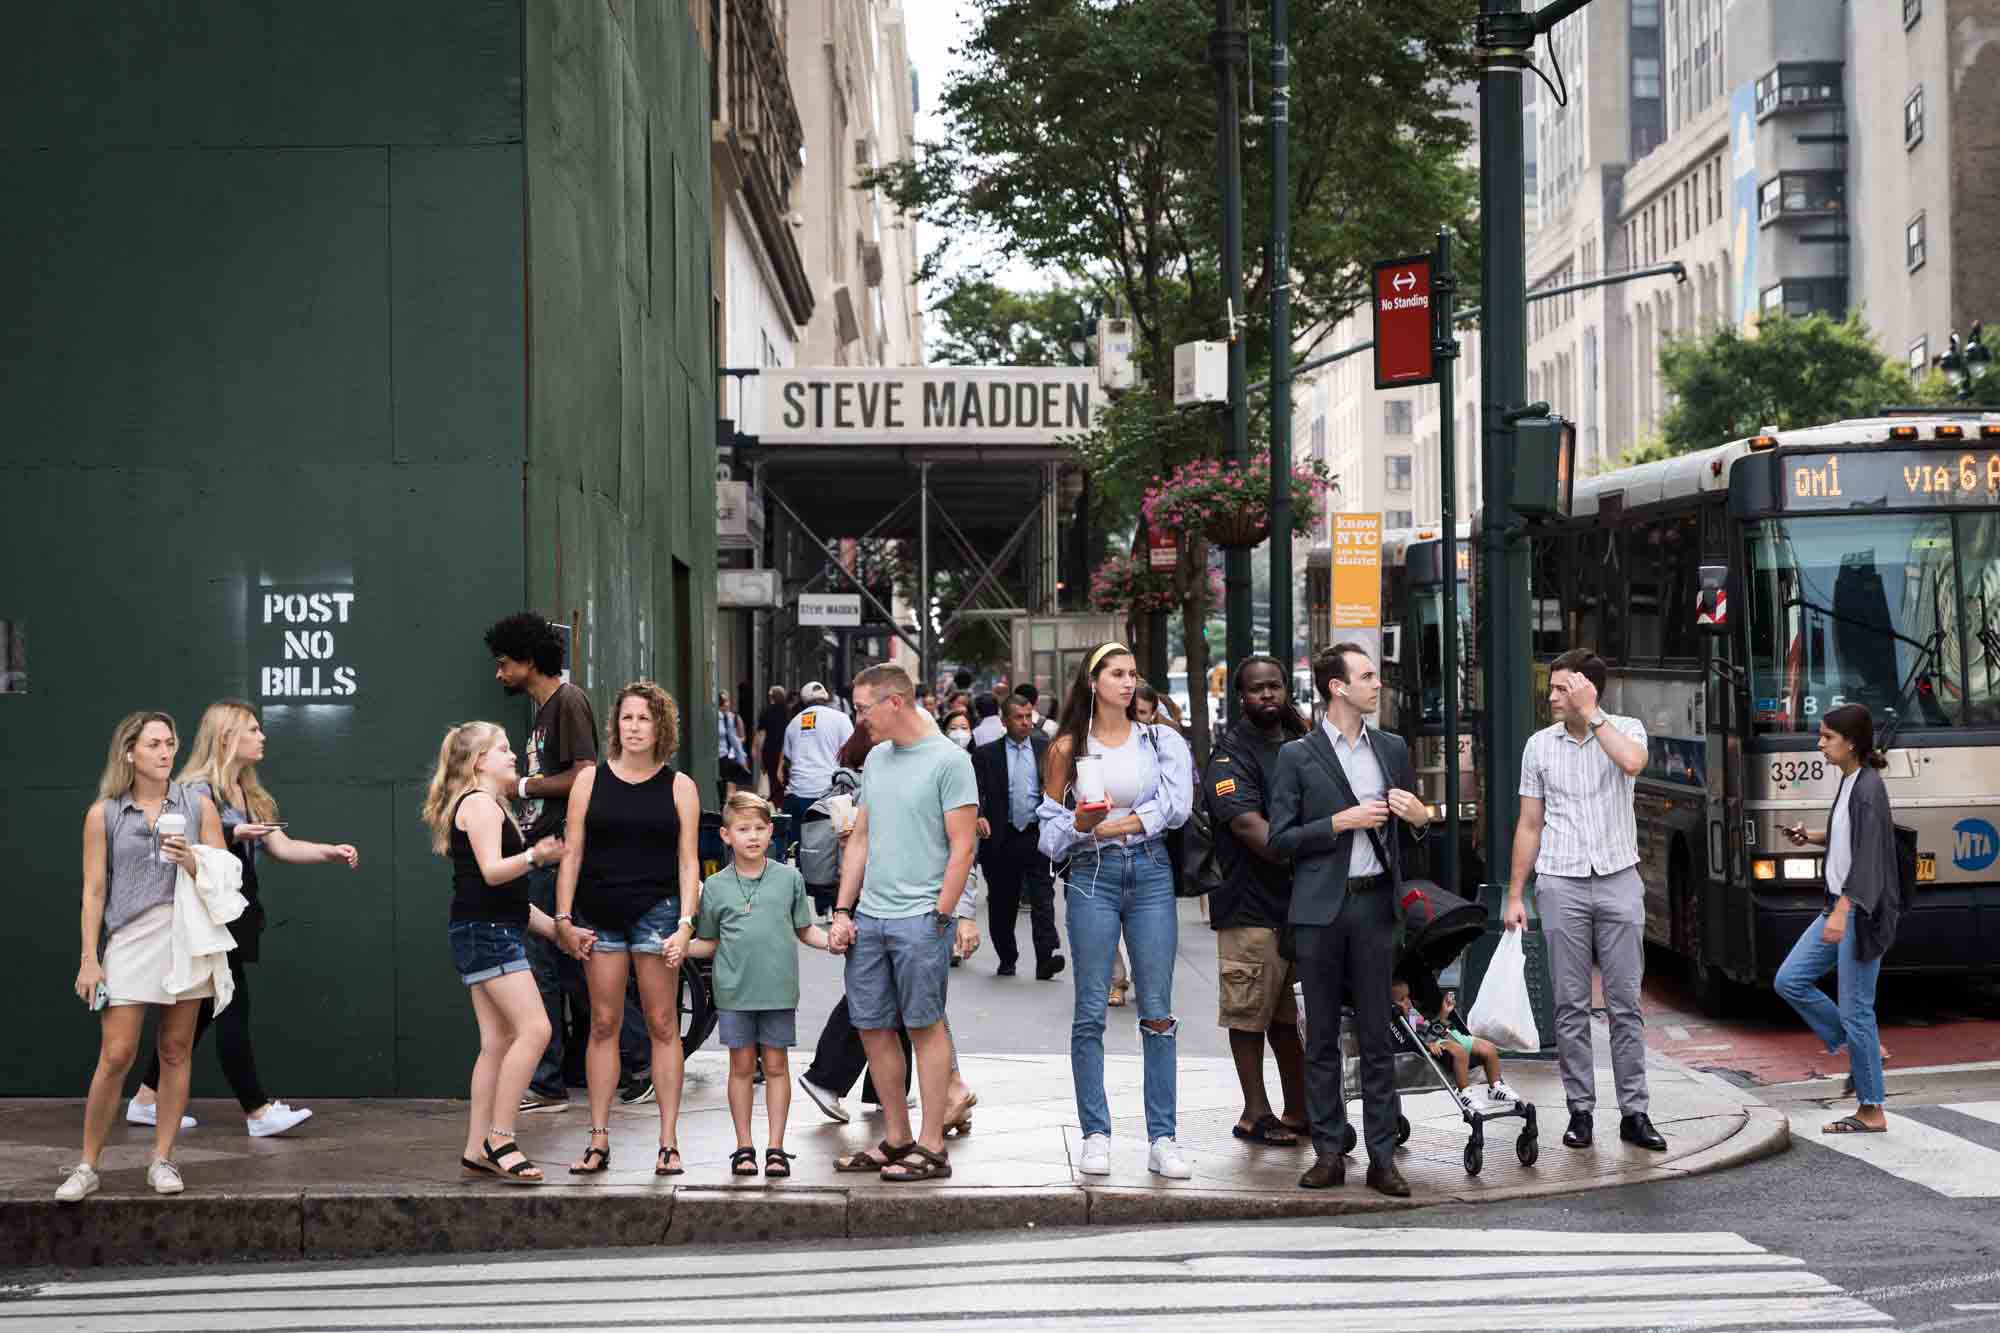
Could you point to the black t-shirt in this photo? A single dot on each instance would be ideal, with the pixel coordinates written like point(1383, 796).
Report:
point(565, 731)
point(1254, 892)
point(772, 722)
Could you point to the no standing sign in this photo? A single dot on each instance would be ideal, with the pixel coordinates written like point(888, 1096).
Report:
point(1404, 347)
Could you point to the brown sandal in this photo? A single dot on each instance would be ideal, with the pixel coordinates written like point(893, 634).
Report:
point(959, 1120)
point(927, 1165)
point(856, 1162)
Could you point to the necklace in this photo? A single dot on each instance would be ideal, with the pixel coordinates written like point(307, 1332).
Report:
point(749, 894)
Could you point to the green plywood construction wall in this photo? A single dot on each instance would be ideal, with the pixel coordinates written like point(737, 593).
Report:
point(287, 308)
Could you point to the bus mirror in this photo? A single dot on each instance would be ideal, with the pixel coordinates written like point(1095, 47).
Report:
point(1392, 644)
point(1711, 613)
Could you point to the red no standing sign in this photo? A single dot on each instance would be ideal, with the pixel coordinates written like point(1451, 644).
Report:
point(1404, 354)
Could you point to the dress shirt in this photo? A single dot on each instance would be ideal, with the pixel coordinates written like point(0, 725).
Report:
point(1024, 788)
point(1588, 827)
point(990, 729)
point(1364, 777)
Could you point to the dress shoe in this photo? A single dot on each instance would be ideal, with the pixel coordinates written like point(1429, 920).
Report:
point(1047, 971)
point(1386, 1179)
point(1639, 1129)
point(1325, 1174)
point(1004, 970)
point(1578, 1133)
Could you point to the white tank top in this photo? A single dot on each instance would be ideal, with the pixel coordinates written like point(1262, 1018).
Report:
point(1128, 772)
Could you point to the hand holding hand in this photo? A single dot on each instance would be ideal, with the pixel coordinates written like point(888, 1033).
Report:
point(88, 977)
point(676, 946)
point(1515, 916)
point(840, 934)
point(1367, 815)
point(1409, 807)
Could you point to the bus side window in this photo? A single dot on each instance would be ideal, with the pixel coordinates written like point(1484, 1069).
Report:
point(1680, 584)
point(1644, 551)
point(1547, 634)
point(1612, 563)
point(1588, 565)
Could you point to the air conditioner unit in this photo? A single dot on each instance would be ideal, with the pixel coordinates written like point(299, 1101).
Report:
point(871, 263)
point(846, 325)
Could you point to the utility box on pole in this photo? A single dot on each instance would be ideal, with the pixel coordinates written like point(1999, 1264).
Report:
point(1201, 373)
point(1115, 367)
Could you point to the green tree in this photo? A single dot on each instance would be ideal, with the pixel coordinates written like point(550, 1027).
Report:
point(1789, 373)
point(1982, 392)
point(981, 323)
point(1081, 140)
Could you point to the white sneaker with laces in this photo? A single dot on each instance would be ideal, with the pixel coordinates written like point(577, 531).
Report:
point(82, 1181)
point(164, 1177)
point(277, 1118)
point(148, 1113)
point(1096, 1155)
point(1165, 1160)
point(830, 1105)
point(1498, 1092)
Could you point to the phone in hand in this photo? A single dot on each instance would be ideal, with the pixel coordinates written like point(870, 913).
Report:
point(99, 998)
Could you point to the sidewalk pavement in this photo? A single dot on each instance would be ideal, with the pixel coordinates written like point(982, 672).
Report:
point(379, 1177)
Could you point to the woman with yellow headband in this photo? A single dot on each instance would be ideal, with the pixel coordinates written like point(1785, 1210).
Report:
point(1119, 882)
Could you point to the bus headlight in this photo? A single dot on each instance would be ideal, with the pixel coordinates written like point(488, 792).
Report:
point(1801, 867)
point(1763, 868)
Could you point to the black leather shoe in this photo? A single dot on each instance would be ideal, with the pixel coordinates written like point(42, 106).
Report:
point(1047, 971)
point(1578, 1133)
point(1388, 1180)
point(1325, 1174)
point(1004, 970)
point(1639, 1129)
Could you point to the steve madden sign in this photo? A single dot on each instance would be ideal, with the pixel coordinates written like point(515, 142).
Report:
point(934, 405)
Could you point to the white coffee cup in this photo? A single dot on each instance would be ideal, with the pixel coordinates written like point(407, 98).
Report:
point(841, 808)
point(1090, 779)
point(169, 825)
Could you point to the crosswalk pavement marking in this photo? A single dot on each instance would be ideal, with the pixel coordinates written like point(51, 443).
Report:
point(1922, 1154)
point(1267, 1277)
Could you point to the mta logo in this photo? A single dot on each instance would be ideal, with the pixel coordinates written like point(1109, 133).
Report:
point(1975, 844)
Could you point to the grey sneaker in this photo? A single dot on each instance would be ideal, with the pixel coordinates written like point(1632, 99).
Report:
point(82, 1182)
point(639, 1092)
point(164, 1177)
point(533, 1103)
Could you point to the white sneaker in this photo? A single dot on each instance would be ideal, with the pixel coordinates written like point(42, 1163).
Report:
point(164, 1177)
point(1499, 1093)
point(82, 1181)
point(831, 1106)
point(277, 1118)
point(1096, 1155)
point(148, 1113)
point(1165, 1160)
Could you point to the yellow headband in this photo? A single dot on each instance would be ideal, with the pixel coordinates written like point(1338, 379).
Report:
point(1107, 650)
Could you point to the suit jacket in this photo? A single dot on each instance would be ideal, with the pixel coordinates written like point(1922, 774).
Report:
point(989, 765)
point(1304, 801)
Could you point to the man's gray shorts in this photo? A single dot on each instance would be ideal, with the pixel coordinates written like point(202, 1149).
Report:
point(896, 971)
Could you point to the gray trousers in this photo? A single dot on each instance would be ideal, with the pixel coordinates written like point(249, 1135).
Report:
point(1600, 919)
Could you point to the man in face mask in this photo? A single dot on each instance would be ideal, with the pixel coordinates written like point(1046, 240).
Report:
point(1010, 789)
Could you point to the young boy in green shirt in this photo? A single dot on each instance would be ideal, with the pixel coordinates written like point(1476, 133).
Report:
point(751, 911)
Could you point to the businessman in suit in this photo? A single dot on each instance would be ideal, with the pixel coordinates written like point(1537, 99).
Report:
point(1344, 810)
point(1010, 789)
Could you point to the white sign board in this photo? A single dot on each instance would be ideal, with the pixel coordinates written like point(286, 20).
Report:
point(935, 405)
point(748, 587)
point(829, 608)
point(739, 517)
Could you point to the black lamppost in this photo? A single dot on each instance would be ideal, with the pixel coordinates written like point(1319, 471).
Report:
point(1964, 363)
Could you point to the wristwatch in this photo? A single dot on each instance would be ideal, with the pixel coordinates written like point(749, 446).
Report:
point(688, 921)
point(847, 912)
point(1597, 719)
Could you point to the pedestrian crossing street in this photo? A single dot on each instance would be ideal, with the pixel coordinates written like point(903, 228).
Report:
point(1955, 1154)
point(1251, 1277)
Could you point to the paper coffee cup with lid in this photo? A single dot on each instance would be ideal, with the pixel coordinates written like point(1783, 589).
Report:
point(169, 825)
point(1090, 783)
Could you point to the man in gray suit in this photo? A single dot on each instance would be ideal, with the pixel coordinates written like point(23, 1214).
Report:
point(1344, 809)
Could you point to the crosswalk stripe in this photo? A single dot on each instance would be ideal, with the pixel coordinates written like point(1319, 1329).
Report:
point(1988, 1111)
point(1270, 1277)
point(1922, 1154)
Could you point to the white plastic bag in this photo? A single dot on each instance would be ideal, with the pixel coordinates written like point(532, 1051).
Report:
point(1503, 1013)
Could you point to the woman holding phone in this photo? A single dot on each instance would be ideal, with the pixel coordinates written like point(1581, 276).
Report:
point(223, 767)
point(1858, 923)
point(137, 839)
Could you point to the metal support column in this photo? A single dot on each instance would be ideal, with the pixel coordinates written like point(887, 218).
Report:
point(1051, 595)
point(924, 627)
point(1228, 47)
point(1445, 348)
point(1281, 338)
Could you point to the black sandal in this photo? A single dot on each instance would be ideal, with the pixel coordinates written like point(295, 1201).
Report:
point(524, 1172)
point(778, 1163)
point(603, 1155)
point(856, 1162)
point(743, 1162)
point(471, 1167)
point(920, 1163)
point(669, 1163)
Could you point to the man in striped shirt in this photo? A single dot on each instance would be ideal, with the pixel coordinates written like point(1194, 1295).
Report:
point(1578, 835)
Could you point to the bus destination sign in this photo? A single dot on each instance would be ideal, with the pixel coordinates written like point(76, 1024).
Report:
point(1890, 478)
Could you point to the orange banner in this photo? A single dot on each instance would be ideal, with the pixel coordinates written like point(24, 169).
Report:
point(1357, 571)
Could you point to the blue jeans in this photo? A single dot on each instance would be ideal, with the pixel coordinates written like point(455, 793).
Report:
point(1852, 1024)
point(1131, 889)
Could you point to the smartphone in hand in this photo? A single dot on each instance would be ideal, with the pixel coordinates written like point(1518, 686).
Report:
point(99, 998)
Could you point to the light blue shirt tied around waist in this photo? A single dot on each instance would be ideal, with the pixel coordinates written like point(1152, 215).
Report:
point(1167, 801)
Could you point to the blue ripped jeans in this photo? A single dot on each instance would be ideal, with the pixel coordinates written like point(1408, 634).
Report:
point(1851, 1023)
point(1130, 889)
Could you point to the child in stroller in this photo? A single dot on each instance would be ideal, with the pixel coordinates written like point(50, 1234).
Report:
point(1446, 1042)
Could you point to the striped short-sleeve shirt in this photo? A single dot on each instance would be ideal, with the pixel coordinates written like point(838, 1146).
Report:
point(1587, 822)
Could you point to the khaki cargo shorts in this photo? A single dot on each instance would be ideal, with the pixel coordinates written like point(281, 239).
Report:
point(1256, 982)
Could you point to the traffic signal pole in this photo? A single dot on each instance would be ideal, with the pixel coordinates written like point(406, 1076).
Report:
point(1281, 338)
point(1228, 48)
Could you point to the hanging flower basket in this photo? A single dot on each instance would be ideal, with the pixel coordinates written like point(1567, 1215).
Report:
point(1231, 505)
point(1127, 583)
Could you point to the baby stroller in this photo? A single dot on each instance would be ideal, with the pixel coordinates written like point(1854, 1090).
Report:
point(1438, 926)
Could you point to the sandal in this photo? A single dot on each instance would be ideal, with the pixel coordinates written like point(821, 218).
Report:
point(778, 1163)
point(669, 1163)
point(1852, 1124)
point(927, 1165)
point(523, 1172)
point(1116, 997)
point(743, 1162)
point(469, 1166)
point(855, 1162)
point(602, 1155)
point(1269, 1131)
point(959, 1119)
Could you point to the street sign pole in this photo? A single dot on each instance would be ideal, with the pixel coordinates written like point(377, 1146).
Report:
point(1281, 339)
point(1445, 350)
point(1228, 46)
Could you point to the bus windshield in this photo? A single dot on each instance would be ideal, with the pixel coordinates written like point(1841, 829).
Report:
point(1900, 612)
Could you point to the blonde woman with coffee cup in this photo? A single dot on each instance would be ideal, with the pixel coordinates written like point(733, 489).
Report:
point(137, 838)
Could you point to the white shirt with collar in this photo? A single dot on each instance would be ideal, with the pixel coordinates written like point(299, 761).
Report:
point(990, 729)
point(1364, 776)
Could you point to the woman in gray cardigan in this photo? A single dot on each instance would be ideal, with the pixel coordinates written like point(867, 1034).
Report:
point(1858, 924)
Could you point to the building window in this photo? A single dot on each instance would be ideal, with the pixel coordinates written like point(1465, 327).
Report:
point(1801, 194)
point(1912, 11)
point(1799, 86)
point(1396, 476)
point(1913, 119)
point(1645, 77)
point(1920, 356)
point(1913, 244)
point(1397, 417)
point(1799, 297)
point(1398, 518)
point(1646, 14)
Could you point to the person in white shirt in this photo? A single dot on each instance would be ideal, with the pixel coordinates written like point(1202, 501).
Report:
point(990, 726)
point(811, 756)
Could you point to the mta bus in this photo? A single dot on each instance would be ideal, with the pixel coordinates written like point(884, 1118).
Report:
point(1740, 593)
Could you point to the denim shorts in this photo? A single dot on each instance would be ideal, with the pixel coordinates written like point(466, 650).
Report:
point(739, 1028)
point(646, 935)
point(896, 971)
point(484, 950)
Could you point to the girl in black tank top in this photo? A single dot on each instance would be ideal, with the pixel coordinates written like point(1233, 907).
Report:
point(472, 898)
point(631, 849)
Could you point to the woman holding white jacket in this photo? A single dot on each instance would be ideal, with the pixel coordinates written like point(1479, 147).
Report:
point(137, 836)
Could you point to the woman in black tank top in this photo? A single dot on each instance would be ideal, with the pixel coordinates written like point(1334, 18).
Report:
point(469, 820)
point(631, 881)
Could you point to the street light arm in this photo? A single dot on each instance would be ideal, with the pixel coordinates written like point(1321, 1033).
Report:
point(1555, 12)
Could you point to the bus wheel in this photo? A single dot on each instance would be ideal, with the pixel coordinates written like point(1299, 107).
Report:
point(1711, 988)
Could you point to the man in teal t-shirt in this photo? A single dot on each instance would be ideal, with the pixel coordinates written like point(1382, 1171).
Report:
point(905, 866)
